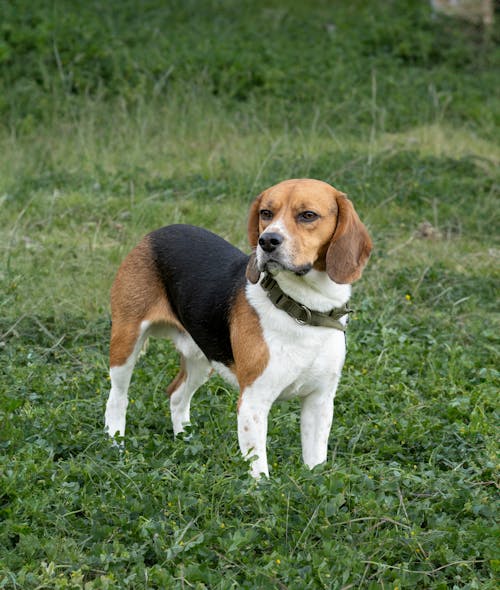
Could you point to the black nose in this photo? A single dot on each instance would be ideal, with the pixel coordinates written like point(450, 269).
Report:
point(269, 241)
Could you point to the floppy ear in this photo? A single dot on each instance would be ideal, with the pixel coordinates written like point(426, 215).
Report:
point(252, 272)
point(253, 222)
point(350, 245)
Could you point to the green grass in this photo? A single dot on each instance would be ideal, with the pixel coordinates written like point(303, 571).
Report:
point(117, 118)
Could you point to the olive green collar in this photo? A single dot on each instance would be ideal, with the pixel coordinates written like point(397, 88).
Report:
point(300, 313)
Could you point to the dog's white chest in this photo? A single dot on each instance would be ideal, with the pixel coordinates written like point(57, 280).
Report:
point(303, 359)
point(310, 359)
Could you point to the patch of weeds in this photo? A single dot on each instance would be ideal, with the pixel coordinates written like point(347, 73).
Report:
point(410, 454)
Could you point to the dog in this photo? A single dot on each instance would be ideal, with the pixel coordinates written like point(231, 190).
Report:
point(271, 323)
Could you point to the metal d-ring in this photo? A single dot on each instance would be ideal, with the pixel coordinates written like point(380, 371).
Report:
point(307, 311)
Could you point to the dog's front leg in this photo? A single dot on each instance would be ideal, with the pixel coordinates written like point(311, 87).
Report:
point(315, 424)
point(252, 432)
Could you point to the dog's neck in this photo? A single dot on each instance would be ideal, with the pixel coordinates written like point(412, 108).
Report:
point(315, 290)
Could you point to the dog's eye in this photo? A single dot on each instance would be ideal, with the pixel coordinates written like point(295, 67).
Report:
point(308, 216)
point(266, 215)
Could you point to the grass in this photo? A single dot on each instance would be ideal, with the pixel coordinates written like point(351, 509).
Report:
point(114, 123)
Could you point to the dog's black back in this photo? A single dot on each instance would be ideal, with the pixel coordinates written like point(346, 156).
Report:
point(201, 273)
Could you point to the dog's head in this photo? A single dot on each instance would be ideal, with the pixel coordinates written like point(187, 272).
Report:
point(301, 224)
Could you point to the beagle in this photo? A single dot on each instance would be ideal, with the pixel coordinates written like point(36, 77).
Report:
point(271, 323)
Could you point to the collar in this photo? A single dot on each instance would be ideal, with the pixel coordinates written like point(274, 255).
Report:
point(300, 313)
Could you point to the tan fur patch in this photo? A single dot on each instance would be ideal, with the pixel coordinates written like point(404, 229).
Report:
point(250, 351)
point(287, 200)
point(137, 295)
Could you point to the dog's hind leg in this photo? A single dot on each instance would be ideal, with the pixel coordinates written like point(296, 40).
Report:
point(139, 307)
point(126, 344)
point(195, 370)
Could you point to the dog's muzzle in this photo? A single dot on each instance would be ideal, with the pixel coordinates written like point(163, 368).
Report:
point(272, 258)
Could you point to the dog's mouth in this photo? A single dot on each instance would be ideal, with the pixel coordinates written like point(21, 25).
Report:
point(274, 266)
point(302, 270)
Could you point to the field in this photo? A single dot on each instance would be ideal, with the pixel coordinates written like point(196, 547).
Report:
point(119, 117)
